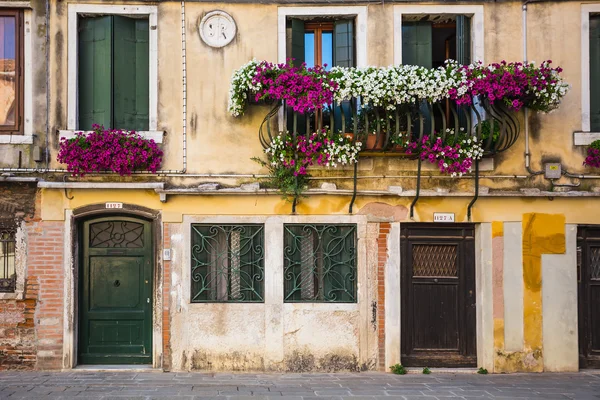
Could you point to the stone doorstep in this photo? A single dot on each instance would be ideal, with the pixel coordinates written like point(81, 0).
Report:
point(114, 368)
point(467, 371)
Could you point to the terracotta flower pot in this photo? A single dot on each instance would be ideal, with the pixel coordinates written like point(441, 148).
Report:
point(374, 142)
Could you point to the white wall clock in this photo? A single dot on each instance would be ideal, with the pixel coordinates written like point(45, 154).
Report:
point(217, 29)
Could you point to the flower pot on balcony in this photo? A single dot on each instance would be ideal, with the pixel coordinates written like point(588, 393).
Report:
point(375, 142)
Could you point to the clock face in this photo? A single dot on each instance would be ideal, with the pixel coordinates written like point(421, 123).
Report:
point(217, 29)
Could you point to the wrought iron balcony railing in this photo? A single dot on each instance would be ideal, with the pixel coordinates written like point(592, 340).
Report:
point(384, 130)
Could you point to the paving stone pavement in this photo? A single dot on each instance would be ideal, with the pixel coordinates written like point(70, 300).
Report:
point(338, 386)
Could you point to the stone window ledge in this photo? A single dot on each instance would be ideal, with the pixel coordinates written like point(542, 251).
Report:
point(157, 136)
point(16, 139)
point(585, 138)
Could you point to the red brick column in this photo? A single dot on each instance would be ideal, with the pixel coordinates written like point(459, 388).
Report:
point(166, 297)
point(384, 230)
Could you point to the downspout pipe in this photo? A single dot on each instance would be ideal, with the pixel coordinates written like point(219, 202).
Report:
point(47, 148)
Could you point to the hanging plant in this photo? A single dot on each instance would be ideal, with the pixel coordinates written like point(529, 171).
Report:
point(113, 150)
point(593, 155)
point(453, 155)
point(289, 159)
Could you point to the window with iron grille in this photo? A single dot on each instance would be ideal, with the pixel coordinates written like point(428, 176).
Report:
point(227, 263)
point(8, 275)
point(319, 263)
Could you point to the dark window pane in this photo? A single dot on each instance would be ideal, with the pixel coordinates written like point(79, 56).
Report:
point(309, 49)
point(8, 82)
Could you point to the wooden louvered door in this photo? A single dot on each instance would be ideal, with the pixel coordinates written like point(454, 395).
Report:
point(588, 279)
point(438, 295)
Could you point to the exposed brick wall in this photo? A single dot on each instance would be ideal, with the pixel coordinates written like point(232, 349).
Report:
point(166, 318)
point(18, 344)
point(384, 230)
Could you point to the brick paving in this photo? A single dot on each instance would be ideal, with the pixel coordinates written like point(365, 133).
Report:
point(339, 386)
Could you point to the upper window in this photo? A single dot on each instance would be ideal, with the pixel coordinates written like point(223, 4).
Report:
point(429, 41)
point(321, 41)
point(113, 72)
point(319, 263)
point(11, 71)
point(227, 263)
point(594, 72)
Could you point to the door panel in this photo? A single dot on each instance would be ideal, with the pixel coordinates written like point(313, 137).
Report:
point(116, 292)
point(588, 263)
point(438, 301)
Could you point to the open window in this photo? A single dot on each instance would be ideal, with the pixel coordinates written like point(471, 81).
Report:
point(429, 40)
point(113, 72)
point(326, 42)
point(594, 72)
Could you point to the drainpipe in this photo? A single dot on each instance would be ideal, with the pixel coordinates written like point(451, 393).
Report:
point(527, 154)
point(184, 76)
point(47, 148)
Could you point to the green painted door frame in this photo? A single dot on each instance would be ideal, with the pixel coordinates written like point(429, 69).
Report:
point(115, 291)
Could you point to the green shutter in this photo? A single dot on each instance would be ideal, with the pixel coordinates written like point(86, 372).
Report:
point(595, 73)
point(131, 74)
point(343, 43)
point(416, 43)
point(95, 72)
point(297, 41)
point(463, 39)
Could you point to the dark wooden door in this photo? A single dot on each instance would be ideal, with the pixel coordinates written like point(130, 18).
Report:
point(438, 295)
point(116, 292)
point(588, 266)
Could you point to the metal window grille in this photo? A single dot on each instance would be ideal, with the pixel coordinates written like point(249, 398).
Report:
point(320, 263)
point(227, 263)
point(8, 275)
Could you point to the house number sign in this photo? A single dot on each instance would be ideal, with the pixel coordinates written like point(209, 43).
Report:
point(443, 217)
point(114, 205)
point(217, 29)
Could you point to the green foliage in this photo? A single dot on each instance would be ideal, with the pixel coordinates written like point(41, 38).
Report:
point(482, 371)
point(426, 371)
point(595, 144)
point(398, 369)
point(283, 178)
point(486, 130)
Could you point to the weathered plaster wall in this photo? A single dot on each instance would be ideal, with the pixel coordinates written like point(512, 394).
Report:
point(273, 335)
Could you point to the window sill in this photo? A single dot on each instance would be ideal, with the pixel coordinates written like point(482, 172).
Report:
point(16, 139)
point(157, 136)
point(585, 138)
point(11, 296)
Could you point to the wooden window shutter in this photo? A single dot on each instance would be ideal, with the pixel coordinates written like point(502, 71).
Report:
point(131, 73)
point(343, 43)
point(95, 72)
point(417, 43)
point(595, 73)
point(463, 39)
point(298, 41)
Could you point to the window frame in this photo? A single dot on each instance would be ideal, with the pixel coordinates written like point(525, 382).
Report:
point(18, 127)
point(220, 227)
point(73, 56)
point(473, 11)
point(319, 259)
point(586, 11)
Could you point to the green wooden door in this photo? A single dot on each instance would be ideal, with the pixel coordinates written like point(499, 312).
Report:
point(116, 292)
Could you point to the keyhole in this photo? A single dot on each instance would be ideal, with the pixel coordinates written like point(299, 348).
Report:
point(117, 283)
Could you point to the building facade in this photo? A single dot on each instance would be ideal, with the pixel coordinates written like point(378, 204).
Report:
point(199, 267)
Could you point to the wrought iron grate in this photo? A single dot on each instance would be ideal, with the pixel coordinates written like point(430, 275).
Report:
point(117, 234)
point(227, 263)
point(8, 275)
point(595, 263)
point(434, 260)
point(320, 263)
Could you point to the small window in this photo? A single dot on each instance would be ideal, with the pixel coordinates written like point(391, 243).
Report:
point(113, 72)
point(227, 263)
point(8, 275)
point(320, 263)
point(11, 72)
point(595, 72)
